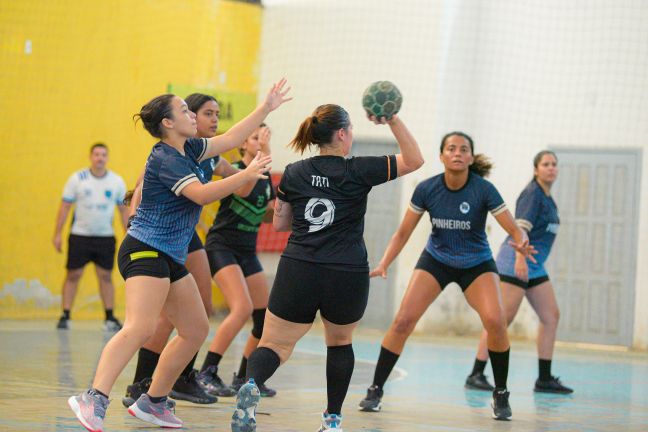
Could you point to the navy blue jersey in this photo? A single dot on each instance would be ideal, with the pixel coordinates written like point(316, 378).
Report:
point(165, 219)
point(328, 195)
point(208, 166)
point(458, 217)
point(238, 219)
point(537, 213)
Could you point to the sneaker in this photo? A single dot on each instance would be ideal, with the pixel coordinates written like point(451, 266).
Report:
point(135, 390)
point(552, 385)
point(90, 408)
point(373, 401)
point(112, 325)
point(331, 422)
point(213, 384)
point(188, 388)
point(247, 399)
point(63, 323)
point(500, 405)
point(478, 381)
point(155, 413)
point(265, 390)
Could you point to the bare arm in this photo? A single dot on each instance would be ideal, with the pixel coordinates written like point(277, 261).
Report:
point(243, 129)
point(282, 218)
point(213, 191)
point(61, 217)
point(410, 158)
point(124, 212)
point(397, 242)
point(520, 238)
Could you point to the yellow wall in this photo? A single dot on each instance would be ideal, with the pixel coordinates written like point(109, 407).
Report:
point(92, 66)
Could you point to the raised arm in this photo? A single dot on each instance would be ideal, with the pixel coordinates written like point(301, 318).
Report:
point(241, 130)
point(213, 191)
point(410, 158)
point(397, 242)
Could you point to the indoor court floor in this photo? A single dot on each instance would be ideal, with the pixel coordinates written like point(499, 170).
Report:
point(41, 367)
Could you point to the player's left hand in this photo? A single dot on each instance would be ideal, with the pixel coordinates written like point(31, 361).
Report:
point(277, 95)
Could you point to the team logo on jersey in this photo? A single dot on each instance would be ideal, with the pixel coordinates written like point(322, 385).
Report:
point(108, 194)
point(320, 213)
point(464, 207)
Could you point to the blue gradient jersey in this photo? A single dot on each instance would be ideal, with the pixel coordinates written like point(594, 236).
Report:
point(536, 213)
point(458, 217)
point(165, 219)
point(208, 166)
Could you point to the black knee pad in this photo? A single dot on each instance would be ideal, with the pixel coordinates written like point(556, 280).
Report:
point(258, 316)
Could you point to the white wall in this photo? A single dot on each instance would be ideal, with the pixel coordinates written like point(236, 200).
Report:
point(517, 75)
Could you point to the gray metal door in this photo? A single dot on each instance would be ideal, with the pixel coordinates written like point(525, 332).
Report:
point(381, 221)
point(593, 262)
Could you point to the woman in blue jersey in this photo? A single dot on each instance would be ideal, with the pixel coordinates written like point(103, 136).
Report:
point(537, 214)
point(187, 387)
point(322, 200)
point(458, 202)
point(231, 248)
point(152, 256)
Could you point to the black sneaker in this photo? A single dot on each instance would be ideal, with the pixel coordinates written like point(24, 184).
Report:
point(372, 403)
point(263, 389)
point(552, 385)
point(63, 323)
point(189, 389)
point(213, 384)
point(478, 381)
point(500, 405)
point(135, 390)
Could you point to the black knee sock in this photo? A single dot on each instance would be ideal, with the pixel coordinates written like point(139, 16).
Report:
point(109, 315)
point(242, 368)
point(66, 314)
point(211, 359)
point(386, 362)
point(147, 361)
point(544, 367)
point(500, 364)
point(262, 364)
point(339, 368)
point(479, 366)
point(187, 370)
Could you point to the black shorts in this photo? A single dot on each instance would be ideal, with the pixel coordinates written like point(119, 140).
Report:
point(444, 274)
point(302, 288)
point(195, 243)
point(136, 258)
point(83, 249)
point(222, 257)
point(520, 283)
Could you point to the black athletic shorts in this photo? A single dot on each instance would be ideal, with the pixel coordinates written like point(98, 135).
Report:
point(136, 258)
point(224, 256)
point(302, 288)
point(83, 249)
point(520, 283)
point(444, 274)
point(195, 243)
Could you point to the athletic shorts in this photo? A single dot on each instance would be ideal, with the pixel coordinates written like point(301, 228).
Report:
point(302, 288)
point(223, 256)
point(83, 249)
point(444, 274)
point(520, 283)
point(136, 258)
point(195, 243)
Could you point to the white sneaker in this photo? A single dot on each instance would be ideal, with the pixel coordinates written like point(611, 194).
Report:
point(331, 422)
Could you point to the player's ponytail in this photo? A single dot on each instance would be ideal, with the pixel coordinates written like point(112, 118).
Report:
point(152, 114)
point(318, 129)
point(481, 165)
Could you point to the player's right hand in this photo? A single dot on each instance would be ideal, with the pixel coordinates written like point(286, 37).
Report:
point(56, 241)
point(380, 270)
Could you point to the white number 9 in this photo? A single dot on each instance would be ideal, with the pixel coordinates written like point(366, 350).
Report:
point(324, 219)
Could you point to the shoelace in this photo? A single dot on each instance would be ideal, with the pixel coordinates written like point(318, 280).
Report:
point(100, 403)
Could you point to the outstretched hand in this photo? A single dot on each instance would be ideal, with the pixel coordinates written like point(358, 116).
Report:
point(381, 119)
point(277, 95)
point(258, 167)
point(525, 249)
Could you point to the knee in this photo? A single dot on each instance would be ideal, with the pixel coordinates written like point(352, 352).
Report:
point(403, 325)
point(105, 279)
point(551, 318)
point(73, 276)
point(139, 330)
point(494, 322)
point(242, 312)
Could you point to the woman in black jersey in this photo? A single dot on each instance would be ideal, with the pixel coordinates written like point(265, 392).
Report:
point(323, 200)
point(458, 202)
point(231, 248)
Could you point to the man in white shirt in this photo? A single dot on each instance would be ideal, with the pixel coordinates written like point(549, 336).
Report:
point(94, 192)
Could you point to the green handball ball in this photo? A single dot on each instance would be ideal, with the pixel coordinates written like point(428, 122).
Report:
point(382, 99)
